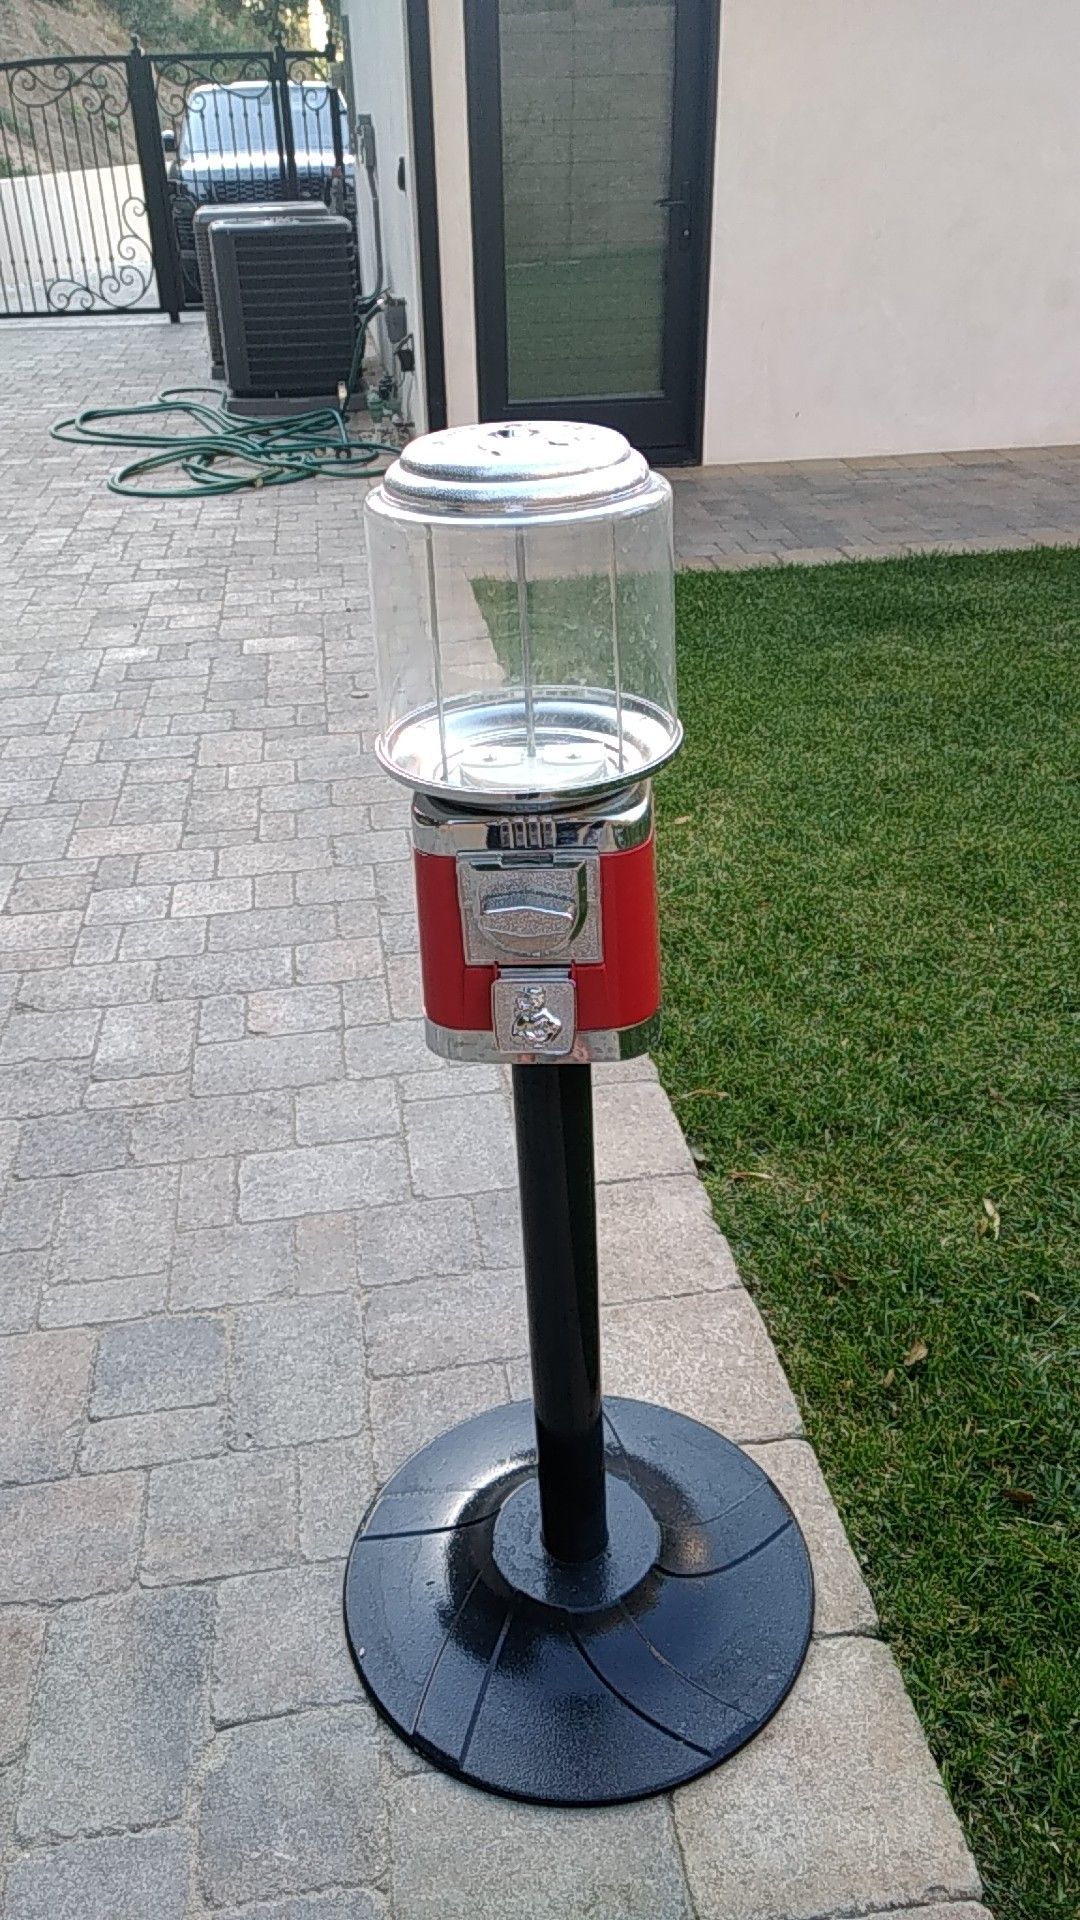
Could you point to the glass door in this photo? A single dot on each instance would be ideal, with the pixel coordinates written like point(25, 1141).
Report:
point(591, 159)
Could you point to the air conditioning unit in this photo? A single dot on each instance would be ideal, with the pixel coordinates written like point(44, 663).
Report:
point(203, 218)
point(286, 300)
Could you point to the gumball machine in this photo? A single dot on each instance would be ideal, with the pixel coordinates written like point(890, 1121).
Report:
point(568, 1600)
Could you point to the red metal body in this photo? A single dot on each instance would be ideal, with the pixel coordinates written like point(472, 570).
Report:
point(622, 991)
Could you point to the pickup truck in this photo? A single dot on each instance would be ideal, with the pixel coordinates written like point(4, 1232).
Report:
point(229, 149)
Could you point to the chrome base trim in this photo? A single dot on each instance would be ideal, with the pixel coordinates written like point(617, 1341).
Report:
point(630, 742)
point(441, 826)
point(604, 1043)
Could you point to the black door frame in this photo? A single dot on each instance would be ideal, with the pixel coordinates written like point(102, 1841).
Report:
point(418, 30)
point(670, 434)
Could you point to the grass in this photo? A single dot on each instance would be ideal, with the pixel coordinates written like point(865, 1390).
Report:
point(869, 857)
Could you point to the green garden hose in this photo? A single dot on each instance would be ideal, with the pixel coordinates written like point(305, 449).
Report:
point(221, 452)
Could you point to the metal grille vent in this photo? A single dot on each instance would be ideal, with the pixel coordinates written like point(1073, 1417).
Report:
point(201, 225)
point(256, 186)
point(287, 304)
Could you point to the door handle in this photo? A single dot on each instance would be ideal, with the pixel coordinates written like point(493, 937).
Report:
point(680, 204)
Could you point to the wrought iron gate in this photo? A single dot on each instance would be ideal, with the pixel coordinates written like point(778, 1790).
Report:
point(104, 159)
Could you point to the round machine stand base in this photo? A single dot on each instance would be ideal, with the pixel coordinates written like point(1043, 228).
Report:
point(583, 1686)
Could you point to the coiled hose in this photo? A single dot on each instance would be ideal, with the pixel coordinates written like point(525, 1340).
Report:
point(221, 452)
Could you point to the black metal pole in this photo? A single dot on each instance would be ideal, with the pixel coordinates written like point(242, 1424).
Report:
point(553, 1121)
point(470, 1637)
point(279, 86)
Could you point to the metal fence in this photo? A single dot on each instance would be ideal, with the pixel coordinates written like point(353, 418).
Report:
point(104, 159)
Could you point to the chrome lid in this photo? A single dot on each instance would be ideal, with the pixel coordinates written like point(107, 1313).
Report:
point(518, 467)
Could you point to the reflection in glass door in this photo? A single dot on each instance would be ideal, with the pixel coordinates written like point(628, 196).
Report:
point(587, 122)
point(586, 150)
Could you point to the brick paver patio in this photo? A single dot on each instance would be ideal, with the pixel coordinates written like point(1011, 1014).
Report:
point(256, 1244)
point(731, 517)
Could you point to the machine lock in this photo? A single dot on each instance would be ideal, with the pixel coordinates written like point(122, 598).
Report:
point(534, 1012)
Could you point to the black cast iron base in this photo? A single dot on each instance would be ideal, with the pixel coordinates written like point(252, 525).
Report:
point(633, 1672)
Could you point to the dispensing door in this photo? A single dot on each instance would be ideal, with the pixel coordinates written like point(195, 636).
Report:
point(591, 144)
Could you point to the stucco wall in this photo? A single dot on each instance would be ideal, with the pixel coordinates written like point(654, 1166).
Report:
point(380, 86)
point(896, 234)
point(449, 103)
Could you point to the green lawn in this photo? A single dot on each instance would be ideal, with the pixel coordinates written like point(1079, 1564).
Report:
point(869, 856)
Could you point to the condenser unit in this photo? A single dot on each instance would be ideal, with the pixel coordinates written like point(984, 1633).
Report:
point(286, 295)
point(201, 223)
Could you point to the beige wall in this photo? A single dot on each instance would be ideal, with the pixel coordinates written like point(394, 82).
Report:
point(896, 235)
point(449, 103)
point(380, 86)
